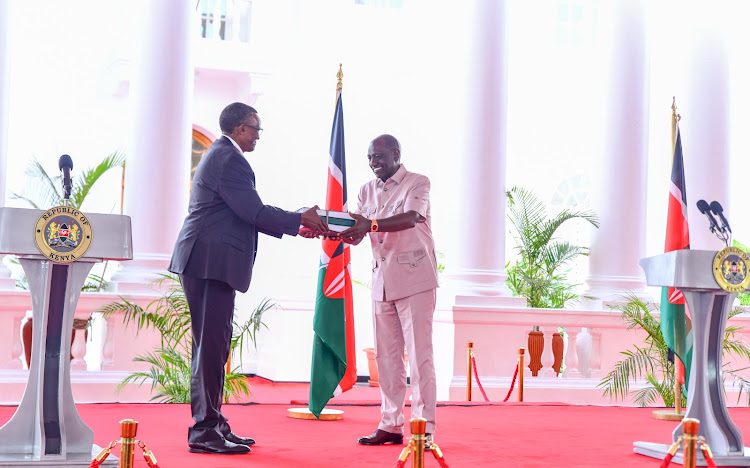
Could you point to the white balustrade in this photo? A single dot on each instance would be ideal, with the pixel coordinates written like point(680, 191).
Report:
point(595, 362)
point(583, 351)
point(224, 20)
point(548, 357)
point(10, 330)
point(91, 383)
point(497, 335)
point(571, 354)
point(78, 350)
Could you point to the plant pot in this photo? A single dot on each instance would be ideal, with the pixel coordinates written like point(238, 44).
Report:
point(27, 333)
point(372, 367)
point(557, 350)
point(536, 346)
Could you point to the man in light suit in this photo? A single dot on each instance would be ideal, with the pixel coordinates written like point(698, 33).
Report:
point(394, 209)
point(214, 257)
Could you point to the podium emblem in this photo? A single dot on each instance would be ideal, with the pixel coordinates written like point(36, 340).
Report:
point(63, 234)
point(730, 269)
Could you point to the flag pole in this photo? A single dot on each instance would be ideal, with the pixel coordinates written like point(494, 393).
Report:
point(675, 118)
point(339, 84)
point(677, 388)
point(326, 414)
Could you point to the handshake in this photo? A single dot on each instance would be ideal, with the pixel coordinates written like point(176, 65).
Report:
point(326, 223)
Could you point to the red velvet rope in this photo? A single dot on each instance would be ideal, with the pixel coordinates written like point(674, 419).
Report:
point(512, 384)
point(438, 456)
point(148, 455)
point(667, 460)
point(476, 377)
point(441, 461)
point(709, 461)
point(99, 459)
point(400, 463)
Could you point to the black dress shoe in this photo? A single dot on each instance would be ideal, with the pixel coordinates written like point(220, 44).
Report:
point(234, 438)
point(381, 437)
point(220, 446)
point(427, 442)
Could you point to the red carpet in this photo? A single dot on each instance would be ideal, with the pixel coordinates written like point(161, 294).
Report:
point(518, 435)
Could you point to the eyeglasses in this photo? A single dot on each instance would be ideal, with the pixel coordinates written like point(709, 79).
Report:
point(257, 129)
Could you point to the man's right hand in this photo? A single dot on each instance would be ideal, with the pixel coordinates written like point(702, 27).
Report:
point(312, 221)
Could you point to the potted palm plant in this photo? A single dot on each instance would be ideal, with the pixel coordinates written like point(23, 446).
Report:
point(540, 273)
point(651, 361)
point(170, 362)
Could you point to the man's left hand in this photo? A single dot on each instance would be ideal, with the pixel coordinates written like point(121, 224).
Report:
point(355, 233)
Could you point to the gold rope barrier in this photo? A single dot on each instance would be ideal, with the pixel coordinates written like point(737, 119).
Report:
point(690, 441)
point(128, 429)
point(418, 426)
point(470, 349)
point(521, 352)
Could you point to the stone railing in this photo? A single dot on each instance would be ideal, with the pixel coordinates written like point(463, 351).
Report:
point(225, 20)
point(593, 344)
point(102, 354)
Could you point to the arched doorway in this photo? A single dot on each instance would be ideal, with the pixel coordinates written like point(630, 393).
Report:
point(200, 144)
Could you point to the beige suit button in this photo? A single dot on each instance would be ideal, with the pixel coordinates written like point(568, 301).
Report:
point(382, 259)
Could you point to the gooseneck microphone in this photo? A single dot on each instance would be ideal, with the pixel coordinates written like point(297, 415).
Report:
point(719, 211)
point(66, 165)
point(706, 210)
point(726, 231)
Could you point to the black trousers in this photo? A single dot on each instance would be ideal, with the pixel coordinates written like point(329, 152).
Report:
point(211, 305)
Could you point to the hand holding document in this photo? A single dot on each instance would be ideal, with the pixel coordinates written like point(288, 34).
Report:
point(335, 222)
point(311, 220)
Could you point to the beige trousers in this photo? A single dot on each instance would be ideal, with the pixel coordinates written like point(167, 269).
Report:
point(405, 323)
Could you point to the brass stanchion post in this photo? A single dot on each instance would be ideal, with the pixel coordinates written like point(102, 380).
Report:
point(418, 426)
point(689, 441)
point(128, 429)
point(520, 373)
point(469, 367)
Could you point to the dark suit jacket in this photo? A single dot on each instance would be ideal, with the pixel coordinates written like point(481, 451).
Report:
point(219, 238)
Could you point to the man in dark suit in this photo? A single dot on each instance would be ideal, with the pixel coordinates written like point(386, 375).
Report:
point(214, 257)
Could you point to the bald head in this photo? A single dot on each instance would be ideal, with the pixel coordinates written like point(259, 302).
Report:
point(388, 141)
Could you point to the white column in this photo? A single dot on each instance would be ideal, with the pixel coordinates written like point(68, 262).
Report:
point(480, 274)
point(620, 191)
point(158, 162)
point(6, 282)
point(704, 129)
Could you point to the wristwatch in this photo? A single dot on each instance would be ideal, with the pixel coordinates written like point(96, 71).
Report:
point(373, 225)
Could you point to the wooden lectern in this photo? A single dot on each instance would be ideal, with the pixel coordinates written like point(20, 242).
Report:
point(691, 271)
point(46, 430)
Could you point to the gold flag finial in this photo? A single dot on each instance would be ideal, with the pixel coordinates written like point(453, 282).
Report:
point(675, 119)
point(340, 76)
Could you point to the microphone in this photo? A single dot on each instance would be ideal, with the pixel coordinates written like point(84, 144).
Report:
point(719, 211)
point(706, 210)
point(66, 164)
